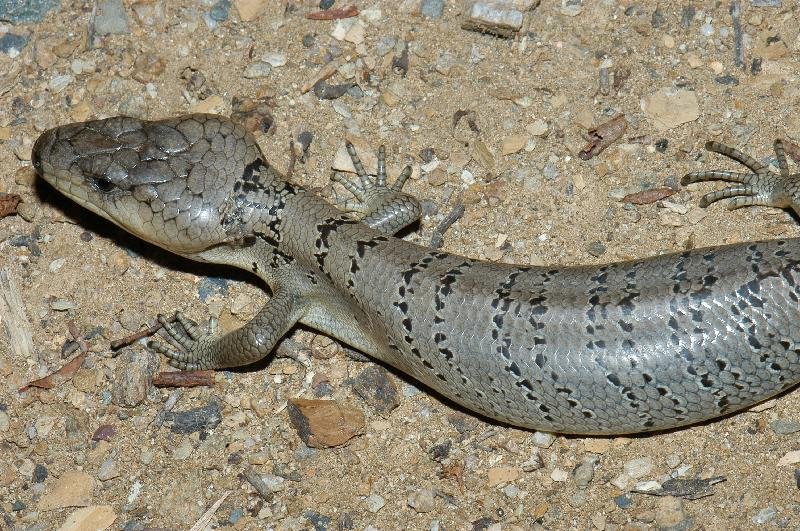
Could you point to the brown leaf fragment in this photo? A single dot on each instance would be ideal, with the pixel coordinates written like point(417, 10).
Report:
point(334, 14)
point(325, 423)
point(184, 379)
point(64, 374)
point(8, 204)
point(603, 136)
point(645, 197)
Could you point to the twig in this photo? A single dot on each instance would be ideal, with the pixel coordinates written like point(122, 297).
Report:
point(203, 522)
point(147, 332)
point(437, 238)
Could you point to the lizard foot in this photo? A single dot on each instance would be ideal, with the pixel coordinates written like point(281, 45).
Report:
point(383, 207)
point(762, 187)
point(187, 343)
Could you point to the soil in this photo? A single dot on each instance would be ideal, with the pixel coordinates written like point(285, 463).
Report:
point(426, 464)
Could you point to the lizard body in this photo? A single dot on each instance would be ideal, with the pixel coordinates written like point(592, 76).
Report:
point(626, 347)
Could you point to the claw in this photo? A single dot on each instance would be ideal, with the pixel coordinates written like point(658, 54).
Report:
point(763, 187)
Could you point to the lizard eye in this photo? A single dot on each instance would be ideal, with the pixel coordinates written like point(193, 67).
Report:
point(103, 185)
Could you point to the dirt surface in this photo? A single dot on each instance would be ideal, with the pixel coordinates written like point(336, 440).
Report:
point(529, 198)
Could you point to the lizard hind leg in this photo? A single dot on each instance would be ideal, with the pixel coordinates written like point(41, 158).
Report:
point(763, 187)
point(383, 207)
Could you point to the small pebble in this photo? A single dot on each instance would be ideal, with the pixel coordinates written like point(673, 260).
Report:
point(199, 419)
point(432, 8)
point(220, 11)
point(670, 514)
point(257, 70)
point(623, 502)
point(727, 79)
point(764, 515)
point(39, 473)
point(559, 475)
point(637, 468)
point(596, 249)
point(12, 44)
point(111, 18)
point(784, 427)
point(422, 501)
point(326, 4)
point(542, 439)
point(578, 498)
point(584, 472)
point(375, 503)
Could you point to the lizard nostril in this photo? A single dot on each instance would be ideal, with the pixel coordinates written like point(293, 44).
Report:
point(41, 148)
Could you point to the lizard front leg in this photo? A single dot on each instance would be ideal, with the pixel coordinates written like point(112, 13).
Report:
point(193, 350)
point(383, 207)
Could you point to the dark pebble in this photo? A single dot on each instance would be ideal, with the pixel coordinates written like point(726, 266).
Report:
point(200, 419)
point(687, 15)
point(784, 427)
point(11, 41)
point(661, 145)
point(235, 458)
point(432, 8)
point(21, 11)
point(355, 92)
point(461, 422)
point(596, 249)
point(345, 522)
point(309, 39)
point(374, 387)
point(326, 91)
point(427, 154)
point(39, 473)
point(633, 11)
point(24, 240)
point(220, 11)
point(104, 433)
point(319, 521)
point(727, 79)
point(209, 286)
point(797, 477)
point(236, 515)
point(658, 19)
point(440, 452)
point(86, 236)
point(18, 506)
point(481, 524)
point(326, 4)
point(323, 389)
point(622, 501)
point(304, 139)
point(134, 525)
point(755, 66)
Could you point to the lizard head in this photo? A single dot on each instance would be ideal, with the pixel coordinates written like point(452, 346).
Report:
point(169, 182)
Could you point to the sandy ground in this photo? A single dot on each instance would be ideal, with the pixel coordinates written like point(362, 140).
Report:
point(534, 95)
